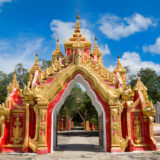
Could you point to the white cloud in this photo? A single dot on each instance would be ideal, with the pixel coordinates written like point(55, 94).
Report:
point(133, 60)
point(116, 28)
point(64, 30)
point(21, 51)
point(2, 2)
point(105, 49)
point(155, 48)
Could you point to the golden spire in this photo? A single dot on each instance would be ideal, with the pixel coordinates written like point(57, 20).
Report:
point(13, 84)
point(77, 27)
point(119, 68)
point(77, 35)
point(57, 52)
point(139, 85)
point(35, 67)
point(96, 50)
point(36, 60)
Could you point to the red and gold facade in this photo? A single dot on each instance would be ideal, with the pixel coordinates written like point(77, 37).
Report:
point(26, 116)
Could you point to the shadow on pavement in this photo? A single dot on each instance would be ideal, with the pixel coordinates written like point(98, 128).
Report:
point(79, 147)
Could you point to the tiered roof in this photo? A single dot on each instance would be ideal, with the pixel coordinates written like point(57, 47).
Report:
point(96, 50)
point(14, 83)
point(119, 68)
point(35, 67)
point(77, 35)
point(57, 52)
point(139, 85)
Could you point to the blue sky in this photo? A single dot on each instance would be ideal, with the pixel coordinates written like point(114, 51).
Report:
point(130, 26)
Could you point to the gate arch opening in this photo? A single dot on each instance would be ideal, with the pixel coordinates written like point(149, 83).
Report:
point(96, 103)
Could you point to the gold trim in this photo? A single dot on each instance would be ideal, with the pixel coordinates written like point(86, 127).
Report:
point(141, 145)
point(136, 110)
point(27, 127)
point(13, 145)
point(17, 111)
point(18, 106)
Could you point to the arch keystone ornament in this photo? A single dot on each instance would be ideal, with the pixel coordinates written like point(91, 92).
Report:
point(28, 117)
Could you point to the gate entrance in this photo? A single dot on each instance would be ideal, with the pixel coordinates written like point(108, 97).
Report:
point(102, 128)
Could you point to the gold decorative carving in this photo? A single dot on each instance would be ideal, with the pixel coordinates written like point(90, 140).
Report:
point(5, 111)
point(17, 132)
point(151, 129)
point(114, 127)
point(42, 141)
point(2, 124)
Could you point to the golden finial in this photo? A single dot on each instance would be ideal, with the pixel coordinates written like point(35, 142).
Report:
point(139, 85)
point(96, 50)
point(57, 46)
point(57, 52)
point(77, 27)
point(13, 84)
point(36, 60)
point(138, 77)
point(35, 67)
point(118, 55)
point(119, 68)
point(77, 16)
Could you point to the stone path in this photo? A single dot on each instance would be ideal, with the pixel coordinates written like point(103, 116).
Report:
point(81, 148)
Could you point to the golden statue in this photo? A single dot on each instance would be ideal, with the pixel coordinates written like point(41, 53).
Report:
point(137, 131)
point(17, 131)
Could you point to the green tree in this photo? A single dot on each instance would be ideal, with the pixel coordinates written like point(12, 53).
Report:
point(22, 75)
point(79, 102)
point(4, 82)
point(151, 80)
point(44, 64)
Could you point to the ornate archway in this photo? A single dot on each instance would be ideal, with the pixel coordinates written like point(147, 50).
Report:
point(78, 78)
point(28, 117)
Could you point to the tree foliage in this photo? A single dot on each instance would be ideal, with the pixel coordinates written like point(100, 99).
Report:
point(151, 80)
point(44, 64)
point(79, 102)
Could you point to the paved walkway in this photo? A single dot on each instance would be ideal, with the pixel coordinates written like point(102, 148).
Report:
point(80, 147)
